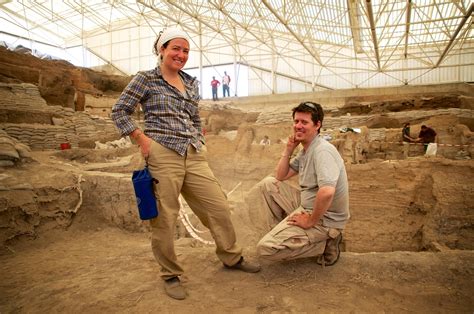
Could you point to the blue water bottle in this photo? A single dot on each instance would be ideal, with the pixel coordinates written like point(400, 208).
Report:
point(143, 186)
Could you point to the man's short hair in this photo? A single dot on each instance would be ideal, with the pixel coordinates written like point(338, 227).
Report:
point(317, 112)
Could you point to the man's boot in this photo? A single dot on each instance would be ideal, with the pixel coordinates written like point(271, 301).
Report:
point(331, 251)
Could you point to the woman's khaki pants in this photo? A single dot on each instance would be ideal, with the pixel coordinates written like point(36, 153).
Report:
point(191, 176)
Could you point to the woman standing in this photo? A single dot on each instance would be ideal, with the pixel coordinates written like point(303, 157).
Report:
point(173, 144)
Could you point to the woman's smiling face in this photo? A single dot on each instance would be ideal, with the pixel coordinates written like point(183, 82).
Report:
point(176, 54)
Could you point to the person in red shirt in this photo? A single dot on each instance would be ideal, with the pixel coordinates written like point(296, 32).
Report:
point(215, 84)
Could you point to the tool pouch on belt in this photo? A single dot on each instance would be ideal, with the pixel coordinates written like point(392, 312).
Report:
point(143, 186)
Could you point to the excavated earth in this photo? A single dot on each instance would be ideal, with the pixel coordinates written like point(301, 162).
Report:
point(72, 240)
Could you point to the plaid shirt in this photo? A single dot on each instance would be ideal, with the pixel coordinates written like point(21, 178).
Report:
point(171, 118)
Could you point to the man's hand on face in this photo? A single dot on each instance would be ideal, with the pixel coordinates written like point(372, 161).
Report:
point(292, 142)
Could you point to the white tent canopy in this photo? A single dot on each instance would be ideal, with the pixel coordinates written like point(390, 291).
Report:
point(283, 45)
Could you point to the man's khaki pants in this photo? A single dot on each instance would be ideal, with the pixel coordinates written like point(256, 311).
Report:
point(191, 176)
point(284, 241)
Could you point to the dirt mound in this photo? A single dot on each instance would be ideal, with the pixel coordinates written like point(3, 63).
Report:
point(371, 105)
point(60, 83)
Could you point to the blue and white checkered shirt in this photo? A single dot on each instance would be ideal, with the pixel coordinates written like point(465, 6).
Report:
point(171, 117)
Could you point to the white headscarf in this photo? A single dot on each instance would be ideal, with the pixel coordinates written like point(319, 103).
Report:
point(171, 33)
point(167, 35)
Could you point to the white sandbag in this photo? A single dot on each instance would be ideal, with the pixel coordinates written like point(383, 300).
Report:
point(431, 149)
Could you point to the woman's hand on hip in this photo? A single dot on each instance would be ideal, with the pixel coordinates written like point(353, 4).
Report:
point(145, 145)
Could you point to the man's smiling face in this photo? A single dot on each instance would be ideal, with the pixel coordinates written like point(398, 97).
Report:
point(304, 127)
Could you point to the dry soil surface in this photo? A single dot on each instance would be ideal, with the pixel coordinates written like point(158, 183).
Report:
point(111, 271)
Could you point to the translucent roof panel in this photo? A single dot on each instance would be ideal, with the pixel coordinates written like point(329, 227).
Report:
point(351, 42)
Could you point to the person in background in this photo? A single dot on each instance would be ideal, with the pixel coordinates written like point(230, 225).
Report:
point(173, 145)
point(225, 85)
point(427, 135)
point(308, 222)
point(214, 84)
point(265, 140)
point(406, 133)
point(407, 139)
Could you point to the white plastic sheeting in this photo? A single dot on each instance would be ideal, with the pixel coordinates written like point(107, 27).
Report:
point(287, 46)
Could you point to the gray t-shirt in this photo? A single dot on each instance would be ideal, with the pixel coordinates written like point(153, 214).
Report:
point(321, 165)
